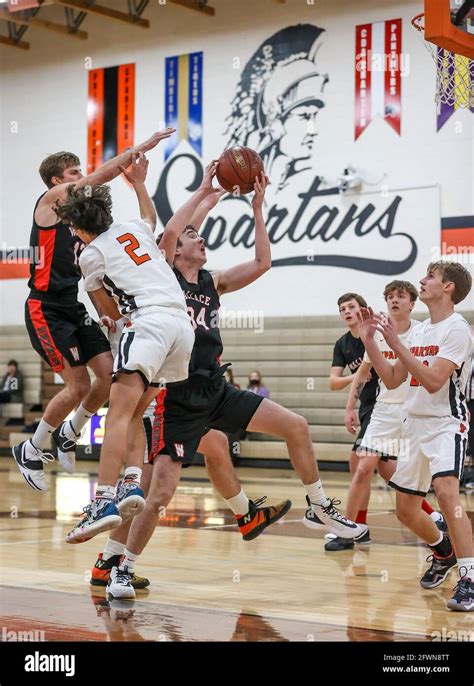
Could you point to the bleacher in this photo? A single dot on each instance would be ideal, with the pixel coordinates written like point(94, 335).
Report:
point(293, 355)
point(14, 343)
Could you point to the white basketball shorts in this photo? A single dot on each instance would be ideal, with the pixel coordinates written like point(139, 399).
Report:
point(430, 447)
point(157, 346)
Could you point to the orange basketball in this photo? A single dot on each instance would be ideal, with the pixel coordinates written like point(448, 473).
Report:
point(238, 168)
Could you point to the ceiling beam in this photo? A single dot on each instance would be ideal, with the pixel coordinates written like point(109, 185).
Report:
point(193, 5)
point(41, 23)
point(23, 45)
point(102, 11)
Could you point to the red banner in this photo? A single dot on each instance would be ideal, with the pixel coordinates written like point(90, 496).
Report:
point(363, 80)
point(393, 78)
point(378, 70)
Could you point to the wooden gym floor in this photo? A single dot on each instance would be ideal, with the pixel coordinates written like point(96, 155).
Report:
point(206, 583)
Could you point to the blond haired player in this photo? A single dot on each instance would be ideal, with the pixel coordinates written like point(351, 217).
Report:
point(379, 447)
point(436, 360)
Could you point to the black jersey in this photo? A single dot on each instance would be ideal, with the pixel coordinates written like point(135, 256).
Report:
point(202, 303)
point(349, 352)
point(54, 267)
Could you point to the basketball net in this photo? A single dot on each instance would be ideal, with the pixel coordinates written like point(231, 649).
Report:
point(454, 73)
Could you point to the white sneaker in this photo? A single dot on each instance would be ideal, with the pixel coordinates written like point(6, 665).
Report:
point(336, 523)
point(66, 448)
point(311, 520)
point(30, 462)
point(120, 584)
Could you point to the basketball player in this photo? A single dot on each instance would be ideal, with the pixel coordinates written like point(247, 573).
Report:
point(436, 360)
point(123, 261)
point(379, 446)
point(349, 352)
point(214, 447)
point(60, 329)
point(184, 413)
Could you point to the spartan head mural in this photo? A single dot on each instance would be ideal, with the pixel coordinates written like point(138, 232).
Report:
point(278, 98)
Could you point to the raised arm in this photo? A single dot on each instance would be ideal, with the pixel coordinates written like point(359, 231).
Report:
point(107, 171)
point(182, 217)
point(243, 274)
point(205, 206)
point(136, 175)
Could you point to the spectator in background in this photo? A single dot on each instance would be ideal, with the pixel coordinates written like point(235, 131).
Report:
point(229, 377)
point(255, 385)
point(12, 384)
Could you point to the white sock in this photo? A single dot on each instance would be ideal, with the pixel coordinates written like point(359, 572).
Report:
point(466, 567)
point(129, 561)
point(239, 504)
point(42, 435)
point(316, 493)
point(112, 548)
point(79, 420)
point(133, 474)
point(436, 516)
point(105, 492)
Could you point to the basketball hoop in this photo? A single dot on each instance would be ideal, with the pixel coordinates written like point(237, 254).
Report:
point(454, 73)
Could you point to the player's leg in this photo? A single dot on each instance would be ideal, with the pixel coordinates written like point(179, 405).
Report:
point(29, 455)
point(115, 546)
point(272, 418)
point(164, 481)
point(130, 496)
point(252, 519)
point(102, 513)
point(67, 433)
point(412, 480)
point(460, 530)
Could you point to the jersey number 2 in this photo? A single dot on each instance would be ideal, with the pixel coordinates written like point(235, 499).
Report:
point(133, 244)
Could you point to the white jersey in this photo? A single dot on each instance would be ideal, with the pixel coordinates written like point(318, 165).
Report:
point(396, 395)
point(127, 262)
point(449, 339)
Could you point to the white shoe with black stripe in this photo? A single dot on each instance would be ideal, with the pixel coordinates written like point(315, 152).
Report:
point(66, 447)
point(30, 462)
point(336, 523)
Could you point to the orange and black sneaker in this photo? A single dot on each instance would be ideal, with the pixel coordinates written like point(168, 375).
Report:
point(100, 573)
point(258, 518)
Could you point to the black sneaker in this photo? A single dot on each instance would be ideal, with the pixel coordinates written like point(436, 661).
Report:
point(439, 570)
point(258, 518)
point(347, 543)
point(463, 598)
point(311, 519)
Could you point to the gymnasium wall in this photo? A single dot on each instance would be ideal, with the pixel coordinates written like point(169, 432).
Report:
point(323, 242)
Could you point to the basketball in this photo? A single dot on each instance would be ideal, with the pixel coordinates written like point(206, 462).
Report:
point(238, 167)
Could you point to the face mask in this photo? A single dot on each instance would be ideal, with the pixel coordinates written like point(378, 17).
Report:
point(254, 382)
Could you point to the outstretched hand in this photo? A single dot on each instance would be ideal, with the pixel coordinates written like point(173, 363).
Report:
point(367, 323)
point(137, 171)
point(260, 186)
point(208, 178)
point(153, 141)
point(386, 326)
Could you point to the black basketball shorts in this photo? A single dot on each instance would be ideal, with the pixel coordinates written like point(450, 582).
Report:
point(60, 331)
point(186, 412)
